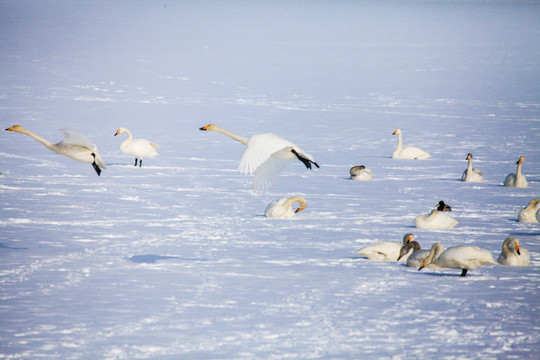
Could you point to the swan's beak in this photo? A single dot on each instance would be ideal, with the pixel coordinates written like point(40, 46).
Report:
point(421, 266)
point(410, 238)
point(517, 250)
point(299, 209)
point(117, 132)
point(394, 133)
point(204, 128)
point(10, 128)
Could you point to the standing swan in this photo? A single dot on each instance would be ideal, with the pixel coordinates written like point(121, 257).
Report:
point(470, 174)
point(435, 220)
point(464, 257)
point(75, 146)
point(528, 214)
point(140, 148)
point(361, 173)
point(517, 179)
point(283, 207)
point(266, 155)
point(512, 254)
point(408, 152)
point(386, 250)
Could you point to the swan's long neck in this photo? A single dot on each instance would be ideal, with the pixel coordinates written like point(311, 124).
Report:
point(129, 136)
point(293, 199)
point(45, 142)
point(518, 170)
point(469, 165)
point(238, 138)
point(399, 141)
point(434, 253)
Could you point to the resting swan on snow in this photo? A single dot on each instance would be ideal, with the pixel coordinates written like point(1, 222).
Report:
point(139, 148)
point(283, 207)
point(408, 152)
point(415, 254)
point(75, 146)
point(464, 257)
point(470, 174)
point(512, 254)
point(528, 214)
point(517, 179)
point(266, 155)
point(361, 173)
point(435, 220)
point(386, 250)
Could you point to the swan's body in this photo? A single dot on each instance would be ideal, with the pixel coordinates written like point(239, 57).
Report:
point(386, 250)
point(140, 148)
point(266, 155)
point(517, 179)
point(407, 152)
point(512, 254)
point(470, 174)
point(435, 220)
point(282, 208)
point(361, 173)
point(528, 214)
point(413, 253)
point(441, 206)
point(464, 257)
point(75, 146)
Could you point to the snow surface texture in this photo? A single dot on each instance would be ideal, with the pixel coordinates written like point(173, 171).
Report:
point(176, 260)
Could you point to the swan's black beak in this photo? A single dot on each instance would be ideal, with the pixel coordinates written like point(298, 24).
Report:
point(204, 128)
point(421, 266)
point(517, 250)
point(299, 209)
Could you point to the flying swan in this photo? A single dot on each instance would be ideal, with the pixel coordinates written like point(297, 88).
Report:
point(415, 255)
point(140, 148)
point(528, 214)
point(435, 220)
point(75, 146)
point(512, 254)
point(361, 173)
point(408, 152)
point(464, 257)
point(282, 208)
point(470, 174)
point(266, 155)
point(386, 250)
point(517, 179)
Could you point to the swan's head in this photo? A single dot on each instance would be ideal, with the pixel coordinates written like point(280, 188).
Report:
point(396, 132)
point(16, 128)
point(209, 127)
point(299, 209)
point(407, 238)
point(469, 156)
point(119, 131)
point(520, 160)
point(514, 243)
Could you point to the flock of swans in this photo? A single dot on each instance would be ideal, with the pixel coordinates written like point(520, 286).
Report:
point(267, 155)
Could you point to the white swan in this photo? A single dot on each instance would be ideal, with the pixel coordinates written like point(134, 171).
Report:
point(441, 206)
point(464, 257)
point(470, 174)
point(140, 148)
point(283, 207)
point(408, 152)
point(413, 253)
point(517, 179)
point(361, 173)
point(435, 220)
point(75, 146)
point(528, 214)
point(513, 254)
point(266, 155)
point(385, 250)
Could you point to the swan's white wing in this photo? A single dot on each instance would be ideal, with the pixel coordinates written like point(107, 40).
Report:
point(268, 172)
point(75, 138)
point(260, 148)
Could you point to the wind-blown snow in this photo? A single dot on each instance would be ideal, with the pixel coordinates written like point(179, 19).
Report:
point(176, 259)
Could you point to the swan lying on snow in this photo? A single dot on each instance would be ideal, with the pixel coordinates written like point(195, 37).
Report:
point(408, 152)
point(283, 207)
point(413, 253)
point(513, 254)
point(528, 214)
point(517, 179)
point(139, 148)
point(464, 257)
point(435, 220)
point(470, 174)
point(266, 155)
point(361, 173)
point(385, 250)
point(441, 206)
point(75, 146)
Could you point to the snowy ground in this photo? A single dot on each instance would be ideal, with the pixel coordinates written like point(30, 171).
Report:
point(176, 259)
